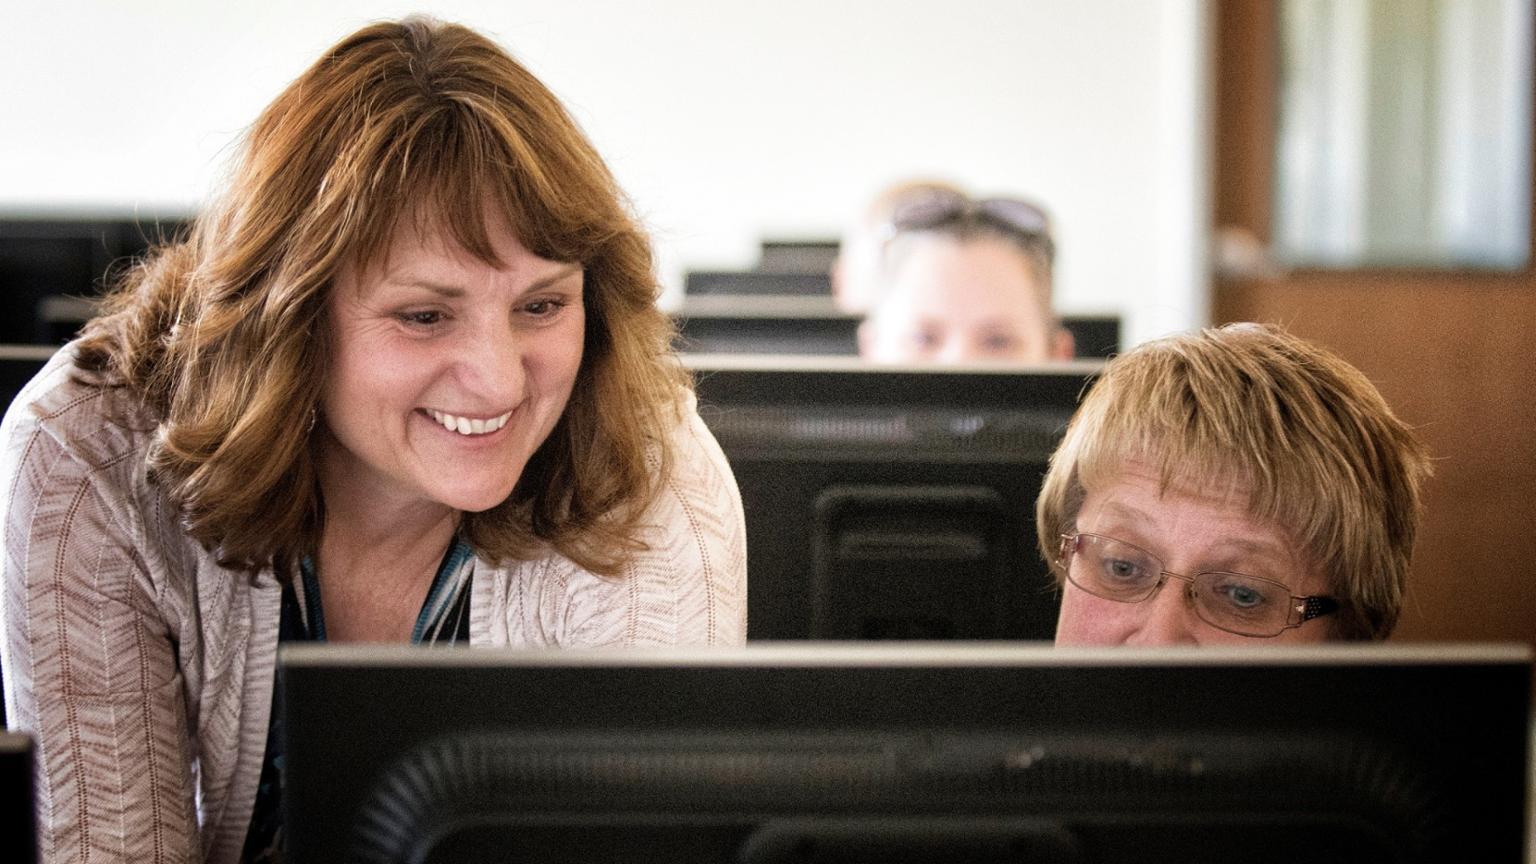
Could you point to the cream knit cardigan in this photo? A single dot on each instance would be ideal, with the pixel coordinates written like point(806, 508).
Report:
point(144, 670)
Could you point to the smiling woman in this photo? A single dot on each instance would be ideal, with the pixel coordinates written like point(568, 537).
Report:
point(447, 373)
point(405, 381)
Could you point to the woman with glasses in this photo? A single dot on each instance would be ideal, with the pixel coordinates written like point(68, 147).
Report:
point(964, 280)
point(1236, 485)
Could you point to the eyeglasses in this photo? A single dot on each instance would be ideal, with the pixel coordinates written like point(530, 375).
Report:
point(937, 209)
point(1245, 605)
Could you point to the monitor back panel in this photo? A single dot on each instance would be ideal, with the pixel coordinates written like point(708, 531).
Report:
point(892, 504)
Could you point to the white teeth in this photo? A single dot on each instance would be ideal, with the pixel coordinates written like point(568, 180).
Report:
point(468, 425)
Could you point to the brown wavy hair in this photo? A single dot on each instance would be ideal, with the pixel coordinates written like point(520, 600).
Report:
point(221, 336)
point(1251, 409)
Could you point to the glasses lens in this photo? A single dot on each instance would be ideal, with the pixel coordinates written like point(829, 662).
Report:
point(1113, 570)
point(1021, 216)
point(927, 210)
point(1242, 604)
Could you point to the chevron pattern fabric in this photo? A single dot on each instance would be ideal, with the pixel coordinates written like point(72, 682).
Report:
point(145, 670)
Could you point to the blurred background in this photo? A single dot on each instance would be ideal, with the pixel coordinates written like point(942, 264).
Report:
point(726, 122)
point(1358, 170)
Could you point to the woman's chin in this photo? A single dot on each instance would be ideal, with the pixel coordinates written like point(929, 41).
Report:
point(474, 500)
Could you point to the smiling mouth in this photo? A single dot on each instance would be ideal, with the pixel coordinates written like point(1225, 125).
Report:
point(469, 426)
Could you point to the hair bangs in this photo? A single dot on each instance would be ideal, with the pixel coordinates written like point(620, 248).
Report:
point(1293, 435)
point(474, 183)
point(1223, 439)
point(424, 175)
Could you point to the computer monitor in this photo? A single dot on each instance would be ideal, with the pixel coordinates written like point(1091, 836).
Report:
point(18, 825)
point(957, 752)
point(748, 324)
point(786, 324)
point(798, 256)
point(773, 283)
point(18, 363)
point(52, 265)
point(890, 502)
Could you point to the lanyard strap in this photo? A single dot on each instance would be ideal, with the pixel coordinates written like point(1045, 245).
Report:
point(443, 616)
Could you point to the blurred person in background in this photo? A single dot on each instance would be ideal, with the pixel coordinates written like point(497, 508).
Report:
point(963, 280)
point(856, 273)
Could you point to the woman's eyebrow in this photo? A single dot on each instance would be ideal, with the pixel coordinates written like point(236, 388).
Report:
point(1259, 548)
point(560, 275)
point(446, 290)
point(1126, 512)
point(1125, 517)
point(451, 291)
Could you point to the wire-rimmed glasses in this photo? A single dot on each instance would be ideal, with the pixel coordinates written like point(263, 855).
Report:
point(1245, 605)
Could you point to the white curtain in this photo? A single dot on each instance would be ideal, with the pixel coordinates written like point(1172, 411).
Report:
point(1404, 133)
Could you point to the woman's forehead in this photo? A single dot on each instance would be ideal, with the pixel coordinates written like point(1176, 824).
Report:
point(1134, 489)
point(1156, 482)
point(1136, 506)
point(1174, 470)
point(423, 233)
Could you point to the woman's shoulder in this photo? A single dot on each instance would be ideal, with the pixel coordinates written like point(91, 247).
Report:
point(65, 430)
point(684, 584)
point(693, 446)
point(95, 423)
point(67, 437)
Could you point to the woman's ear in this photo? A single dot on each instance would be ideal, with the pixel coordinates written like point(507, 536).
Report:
point(866, 336)
point(1063, 344)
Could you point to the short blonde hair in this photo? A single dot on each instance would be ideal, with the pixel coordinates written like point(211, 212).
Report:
point(222, 336)
point(1250, 410)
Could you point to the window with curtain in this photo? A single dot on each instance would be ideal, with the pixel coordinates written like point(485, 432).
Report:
point(1404, 133)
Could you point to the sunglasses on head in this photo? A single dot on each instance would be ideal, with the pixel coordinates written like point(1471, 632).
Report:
point(937, 210)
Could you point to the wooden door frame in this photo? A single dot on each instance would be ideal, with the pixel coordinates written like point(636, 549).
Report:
point(1449, 348)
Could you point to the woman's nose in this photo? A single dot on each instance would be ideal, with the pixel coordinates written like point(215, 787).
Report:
point(491, 364)
point(956, 349)
point(1169, 618)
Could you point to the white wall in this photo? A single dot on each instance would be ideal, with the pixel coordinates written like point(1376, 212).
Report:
point(726, 121)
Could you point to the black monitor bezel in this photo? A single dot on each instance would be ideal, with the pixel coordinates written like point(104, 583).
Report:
point(1463, 710)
